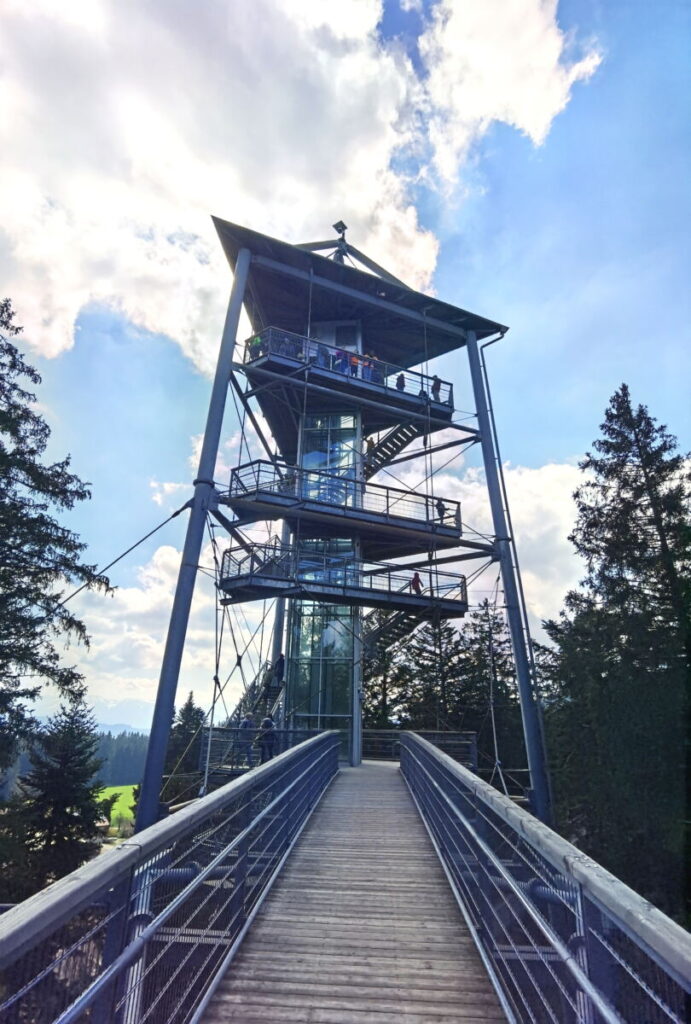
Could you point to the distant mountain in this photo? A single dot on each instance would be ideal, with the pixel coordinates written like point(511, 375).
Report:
point(111, 714)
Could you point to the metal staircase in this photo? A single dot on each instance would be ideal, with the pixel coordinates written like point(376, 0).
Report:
point(378, 635)
point(260, 696)
point(391, 445)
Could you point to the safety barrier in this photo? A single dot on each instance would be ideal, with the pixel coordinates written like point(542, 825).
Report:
point(351, 365)
point(143, 932)
point(280, 562)
point(563, 939)
point(253, 479)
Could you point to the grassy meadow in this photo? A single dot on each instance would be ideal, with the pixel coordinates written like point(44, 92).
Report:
point(121, 809)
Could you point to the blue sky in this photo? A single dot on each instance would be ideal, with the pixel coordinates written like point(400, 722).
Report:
point(523, 160)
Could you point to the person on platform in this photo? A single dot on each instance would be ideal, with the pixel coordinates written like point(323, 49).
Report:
point(267, 739)
point(441, 509)
point(436, 389)
point(400, 382)
point(246, 739)
point(416, 584)
point(279, 669)
point(369, 451)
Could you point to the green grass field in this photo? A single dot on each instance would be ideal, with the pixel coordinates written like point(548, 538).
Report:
point(121, 809)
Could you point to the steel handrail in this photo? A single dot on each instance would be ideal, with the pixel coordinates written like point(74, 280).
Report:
point(262, 475)
point(312, 352)
point(585, 891)
point(68, 930)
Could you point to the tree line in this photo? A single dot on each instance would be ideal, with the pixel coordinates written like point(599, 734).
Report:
point(613, 679)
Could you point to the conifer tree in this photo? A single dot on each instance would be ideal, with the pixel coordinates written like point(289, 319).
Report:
point(184, 750)
point(385, 680)
point(620, 658)
point(39, 558)
point(51, 828)
point(433, 657)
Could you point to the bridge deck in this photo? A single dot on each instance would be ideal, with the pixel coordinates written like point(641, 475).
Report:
point(361, 927)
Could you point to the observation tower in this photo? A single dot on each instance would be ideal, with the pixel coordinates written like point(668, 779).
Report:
point(336, 366)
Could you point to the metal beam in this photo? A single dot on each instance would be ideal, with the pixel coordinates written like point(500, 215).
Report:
point(230, 527)
point(253, 420)
point(357, 400)
point(374, 267)
point(358, 296)
point(537, 760)
point(202, 502)
point(433, 449)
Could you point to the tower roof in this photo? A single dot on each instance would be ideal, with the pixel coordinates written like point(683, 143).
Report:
point(290, 287)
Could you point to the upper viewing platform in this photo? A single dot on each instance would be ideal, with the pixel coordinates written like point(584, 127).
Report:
point(281, 361)
point(294, 286)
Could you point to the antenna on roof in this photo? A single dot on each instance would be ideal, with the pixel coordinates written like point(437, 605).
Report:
point(342, 246)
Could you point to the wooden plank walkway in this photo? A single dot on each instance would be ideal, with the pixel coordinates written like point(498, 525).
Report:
point(361, 927)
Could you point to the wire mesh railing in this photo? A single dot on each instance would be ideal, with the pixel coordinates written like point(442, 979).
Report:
point(252, 479)
point(142, 933)
point(350, 365)
point(385, 744)
point(563, 940)
point(292, 564)
point(233, 748)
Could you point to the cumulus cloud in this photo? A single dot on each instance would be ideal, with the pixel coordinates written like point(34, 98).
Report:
point(126, 125)
point(128, 631)
point(495, 61)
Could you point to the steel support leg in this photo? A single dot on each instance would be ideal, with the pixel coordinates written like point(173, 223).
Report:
point(148, 810)
point(537, 762)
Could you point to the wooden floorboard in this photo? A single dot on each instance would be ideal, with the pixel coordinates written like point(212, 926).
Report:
point(361, 926)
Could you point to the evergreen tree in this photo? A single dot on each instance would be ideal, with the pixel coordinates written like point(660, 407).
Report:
point(184, 752)
point(433, 657)
point(385, 680)
point(619, 665)
point(485, 700)
point(38, 557)
point(51, 829)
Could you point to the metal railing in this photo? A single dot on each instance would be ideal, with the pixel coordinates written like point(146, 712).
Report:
point(343, 491)
point(234, 748)
point(143, 933)
point(385, 745)
point(275, 561)
point(563, 939)
point(298, 348)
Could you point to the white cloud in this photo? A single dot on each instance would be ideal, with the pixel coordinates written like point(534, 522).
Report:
point(495, 61)
point(126, 125)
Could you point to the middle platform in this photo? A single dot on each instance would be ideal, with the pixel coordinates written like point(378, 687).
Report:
point(389, 521)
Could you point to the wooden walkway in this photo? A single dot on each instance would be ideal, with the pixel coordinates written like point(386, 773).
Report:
point(361, 927)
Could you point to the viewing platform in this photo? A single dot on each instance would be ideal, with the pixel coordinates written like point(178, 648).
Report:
point(258, 571)
point(390, 521)
point(385, 393)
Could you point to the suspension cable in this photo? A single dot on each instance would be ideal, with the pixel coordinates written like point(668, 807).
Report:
point(133, 546)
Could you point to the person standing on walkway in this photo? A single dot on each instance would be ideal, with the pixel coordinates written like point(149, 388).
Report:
point(436, 387)
point(246, 739)
point(416, 584)
point(267, 739)
point(279, 669)
point(441, 509)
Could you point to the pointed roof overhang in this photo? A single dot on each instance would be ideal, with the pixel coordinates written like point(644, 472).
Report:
point(290, 287)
